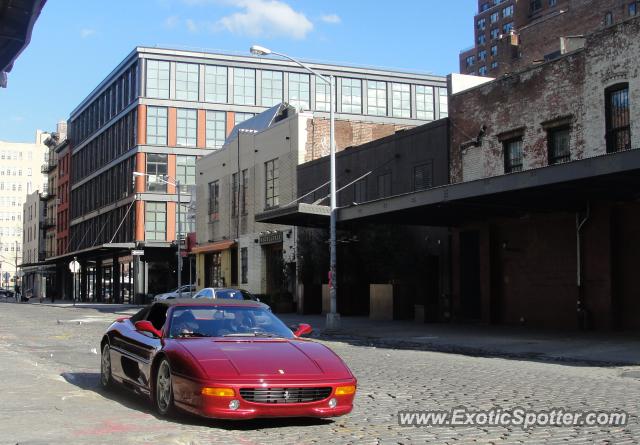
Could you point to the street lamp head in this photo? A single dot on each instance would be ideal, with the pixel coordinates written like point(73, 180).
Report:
point(257, 50)
point(138, 174)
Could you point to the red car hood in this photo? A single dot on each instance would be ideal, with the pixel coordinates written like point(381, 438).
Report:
point(275, 359)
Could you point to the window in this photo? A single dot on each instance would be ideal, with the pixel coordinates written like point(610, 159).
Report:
point(244, 264)
point(495, 17)
point(244, 86)
point(535, 5)
point(376, 98)
point(351, 96)
point(156, 126)
point(187, 127)
point(481, 24)
point(401, 100)
point(158, 79)
point(481, 39)
point(494, 65)
point(444, 102)
point(495, 33)
point(155, 221)
point(271, 88)
point(508, 11)
point(470, 60)
point(423, 176)
point(553, 3)
point(482, 71)
point(299, 95)
point(186, 170)
point(156, 172)
point(507, 27)
point(187, 224)
point(608, 19)
point(618, 129)
point(241, 117)
point(322, 95)
point(558, 140)
point(360, 191)
point(215, 84)
point(187, 79)
point(482, 55)
point(494, 50)
point(424, 102)
point(214, 200)
point(512, 155)
point(244, 191)
point(633, 9)
point(272, 185)
point(235, 190)
point(216, 129)
point(484, 7)
point(384, 185)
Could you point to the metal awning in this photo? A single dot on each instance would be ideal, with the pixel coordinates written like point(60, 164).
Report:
point(101, 249)
point(561, 187)
point(214, 247)
point(301, 214)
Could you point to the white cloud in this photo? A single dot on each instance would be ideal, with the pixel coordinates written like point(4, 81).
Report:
point(264, 18)
point(172, 21)
point(192, 26)
point(333, 19)
point(87, 32)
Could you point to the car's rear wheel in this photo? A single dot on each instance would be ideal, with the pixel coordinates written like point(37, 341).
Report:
point(105, 367)
point(164, 389)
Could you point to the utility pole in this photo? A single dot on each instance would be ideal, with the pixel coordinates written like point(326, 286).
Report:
point(179, 241)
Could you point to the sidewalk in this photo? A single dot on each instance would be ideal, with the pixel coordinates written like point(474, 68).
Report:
point(593, 348)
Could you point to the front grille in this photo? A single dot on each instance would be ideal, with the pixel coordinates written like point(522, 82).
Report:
point(284, 395)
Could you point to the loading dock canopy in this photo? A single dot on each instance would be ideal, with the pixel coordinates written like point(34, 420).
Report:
point(562, 187)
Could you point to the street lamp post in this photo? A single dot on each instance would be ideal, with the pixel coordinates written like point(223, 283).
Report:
point(333, 318)
point(176, 184)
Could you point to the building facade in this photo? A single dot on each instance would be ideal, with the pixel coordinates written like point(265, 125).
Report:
point(512, 34)
point(20, 175)
point(33, 246)
point(160, 110)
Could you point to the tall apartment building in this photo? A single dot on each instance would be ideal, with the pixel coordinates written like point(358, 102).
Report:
point(159, 110)
point(512, 34)
point(20, 175)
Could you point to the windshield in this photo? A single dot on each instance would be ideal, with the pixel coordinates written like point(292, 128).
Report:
point(216, 321)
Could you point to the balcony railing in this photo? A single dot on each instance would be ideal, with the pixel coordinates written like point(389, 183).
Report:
point(51, 163)
point(48, 222)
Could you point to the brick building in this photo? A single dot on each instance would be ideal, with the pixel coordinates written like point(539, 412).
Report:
point(512, 34)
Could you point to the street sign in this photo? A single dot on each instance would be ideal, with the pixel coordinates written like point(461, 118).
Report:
point(74, 266)
point(20, 273)
point(137, 252)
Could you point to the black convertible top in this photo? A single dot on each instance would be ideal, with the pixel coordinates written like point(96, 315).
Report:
point(208, 302)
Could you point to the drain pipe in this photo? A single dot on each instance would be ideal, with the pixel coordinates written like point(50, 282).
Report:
point(582, 314)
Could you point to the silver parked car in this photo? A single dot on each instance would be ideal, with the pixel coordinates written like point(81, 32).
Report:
point(227, 292)
point(187, 292)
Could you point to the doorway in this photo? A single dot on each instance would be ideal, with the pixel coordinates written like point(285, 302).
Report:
point(470, 292)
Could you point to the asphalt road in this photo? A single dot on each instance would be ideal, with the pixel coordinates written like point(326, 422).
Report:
point(49, 394)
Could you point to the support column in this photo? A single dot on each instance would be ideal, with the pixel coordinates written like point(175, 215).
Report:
point(138, 280)
point(115, 280)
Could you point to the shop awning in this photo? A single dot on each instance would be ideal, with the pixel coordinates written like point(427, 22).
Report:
point(306, 215)
point(214, 247)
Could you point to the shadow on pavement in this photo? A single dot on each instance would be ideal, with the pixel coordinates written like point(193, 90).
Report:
point(90, 381)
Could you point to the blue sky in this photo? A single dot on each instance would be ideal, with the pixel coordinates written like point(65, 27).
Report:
point(75, 44)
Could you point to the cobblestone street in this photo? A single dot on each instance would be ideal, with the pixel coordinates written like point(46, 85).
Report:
point(50, 394)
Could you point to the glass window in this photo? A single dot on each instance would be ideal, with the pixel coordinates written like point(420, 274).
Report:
point(470, 60)
point(482, 55)
point(156, 126)
point(214, 200)
point(235, 189)
point(481, 24)
point(444, 102)
point(494, 50)
point(558, 140)
point(482, 71)
point(384, 185)
point(271, 88)
point(186, 170)
point(495, 33)
point(618, 123)
point(377, 98)
point(187, 79)
point(508, 11)
point(553, 3)
point(158, 79)
point(481, 39)
point(513, 155)
point(401, 103)
point(495, 17)
point(241, 117)
point(608, 19)
point(423, 176)
point(244, 264)
point(322, 95)
point(244, 86)
point(507, 27)
point(216, 129)
point(244, 191)
point(215, 84)
point(633, 9)
point(299, 91)
point(187, 223)
point(360, 191)
point(494, 65)
point(272, 184)
point(187, 127)
point(155, 221)
point(535, 5)
point(351, 96)
point(156, 172)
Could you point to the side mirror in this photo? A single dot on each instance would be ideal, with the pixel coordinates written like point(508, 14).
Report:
point(146, 326)
point(303, 329)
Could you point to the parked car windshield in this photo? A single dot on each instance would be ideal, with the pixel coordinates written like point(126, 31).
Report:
point(216, 321)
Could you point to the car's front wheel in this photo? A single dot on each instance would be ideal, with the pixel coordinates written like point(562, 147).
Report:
point(105, 367)
point(164, 389)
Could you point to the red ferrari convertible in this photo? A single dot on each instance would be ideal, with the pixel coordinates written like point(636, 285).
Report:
point(228, 359)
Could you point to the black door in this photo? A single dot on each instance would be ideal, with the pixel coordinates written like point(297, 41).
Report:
point(470, 296)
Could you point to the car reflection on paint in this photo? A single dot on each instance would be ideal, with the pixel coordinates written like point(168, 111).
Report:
point(225, 358)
